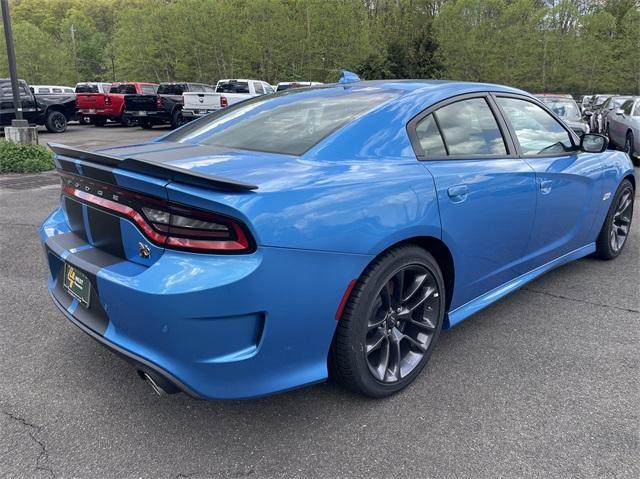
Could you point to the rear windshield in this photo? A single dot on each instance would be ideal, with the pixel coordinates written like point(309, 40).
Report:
point(233, 87)
point(171, 89)
point(282, 123)
point(123, 89)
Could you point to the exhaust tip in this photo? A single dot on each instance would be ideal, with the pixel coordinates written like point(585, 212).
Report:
point(158, 390)
point(159, 384)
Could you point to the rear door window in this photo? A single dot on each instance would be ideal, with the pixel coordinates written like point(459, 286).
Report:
point(429, 137)
point(470, 129)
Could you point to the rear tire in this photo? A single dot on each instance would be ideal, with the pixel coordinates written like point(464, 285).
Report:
point(127, 121)
point(617, 224)
point(56, 122)
point(390, 324)
point(177, 120)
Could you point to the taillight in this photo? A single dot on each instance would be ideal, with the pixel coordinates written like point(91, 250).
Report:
point(166, 224)
point(159, 104)
point(224, 102)
point(107, 100)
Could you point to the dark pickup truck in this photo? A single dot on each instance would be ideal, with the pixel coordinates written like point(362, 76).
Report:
point(165, 107)
point(52, 111)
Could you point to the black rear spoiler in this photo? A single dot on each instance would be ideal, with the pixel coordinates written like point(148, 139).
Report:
point(152, 168)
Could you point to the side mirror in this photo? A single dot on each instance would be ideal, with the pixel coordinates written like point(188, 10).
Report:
point(593, 143)
point(619, 112)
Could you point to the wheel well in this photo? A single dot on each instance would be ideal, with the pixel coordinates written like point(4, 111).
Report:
point(632, 179)
point(442, 255)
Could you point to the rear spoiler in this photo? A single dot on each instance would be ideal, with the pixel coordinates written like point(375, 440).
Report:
point(158, 170)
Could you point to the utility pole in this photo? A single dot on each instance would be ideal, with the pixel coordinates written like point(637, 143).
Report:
point(19, 132)
point(73, 45)
point(11, 56)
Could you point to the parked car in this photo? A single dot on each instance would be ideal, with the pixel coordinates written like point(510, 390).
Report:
point(244, 253)
point(51, 90)
point(295, 84)
point(228, 92)
point(585, 103)
point(53, 111)
point(567, 109)
point(101, 107)
point(596, 104)
point(166, 106)
point(624, 128)
point(90, 87)
point(609, 106)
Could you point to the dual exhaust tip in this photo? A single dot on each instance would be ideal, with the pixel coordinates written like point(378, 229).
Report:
point(160, 385)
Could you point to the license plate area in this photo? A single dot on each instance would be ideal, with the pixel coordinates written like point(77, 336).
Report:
point(77, 284)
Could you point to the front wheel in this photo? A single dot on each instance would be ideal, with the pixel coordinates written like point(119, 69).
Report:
point(617, 224)
point(56, 122)
point(390, 324)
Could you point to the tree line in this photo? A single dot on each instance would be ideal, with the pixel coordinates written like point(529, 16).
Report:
point(574, 46)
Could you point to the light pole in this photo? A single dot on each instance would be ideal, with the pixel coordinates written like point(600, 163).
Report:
point(11, 56)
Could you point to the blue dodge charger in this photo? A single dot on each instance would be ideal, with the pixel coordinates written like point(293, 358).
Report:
point(332, 230)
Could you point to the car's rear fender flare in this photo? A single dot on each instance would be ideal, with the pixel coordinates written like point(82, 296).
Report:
point(440, 251)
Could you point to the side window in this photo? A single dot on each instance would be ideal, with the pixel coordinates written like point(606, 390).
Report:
point(267, 88)
point(56, 90)
point(470, 129)
point(258, 88)
point(42, 91)
point(636, 110)
point(429, 137)
point(536, 130)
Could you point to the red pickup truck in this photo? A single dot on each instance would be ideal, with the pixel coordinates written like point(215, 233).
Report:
point(100, 107)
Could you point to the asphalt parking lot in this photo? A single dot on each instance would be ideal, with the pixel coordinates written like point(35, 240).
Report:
point(544, 383)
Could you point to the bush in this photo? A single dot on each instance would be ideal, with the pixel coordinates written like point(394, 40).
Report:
point(24, 158)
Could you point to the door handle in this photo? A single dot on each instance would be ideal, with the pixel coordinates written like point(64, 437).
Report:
point(458, 193)
point(545, 186)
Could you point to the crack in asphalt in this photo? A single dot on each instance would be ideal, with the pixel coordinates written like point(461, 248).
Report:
point(585, 301)
point(34, 429)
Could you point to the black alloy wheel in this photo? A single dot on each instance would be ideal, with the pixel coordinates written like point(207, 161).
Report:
point(617, 224)
point(402, 322)
point(390, 324)
point(56, 122)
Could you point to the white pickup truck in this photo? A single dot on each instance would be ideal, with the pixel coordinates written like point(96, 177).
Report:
point(228, 92)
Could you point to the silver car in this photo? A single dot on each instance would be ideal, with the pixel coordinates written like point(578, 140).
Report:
point(566, 108)
point(624, 128)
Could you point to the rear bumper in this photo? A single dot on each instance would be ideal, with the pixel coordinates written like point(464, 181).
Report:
point(216, 326)
point(196, 113)
point(155, 116)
